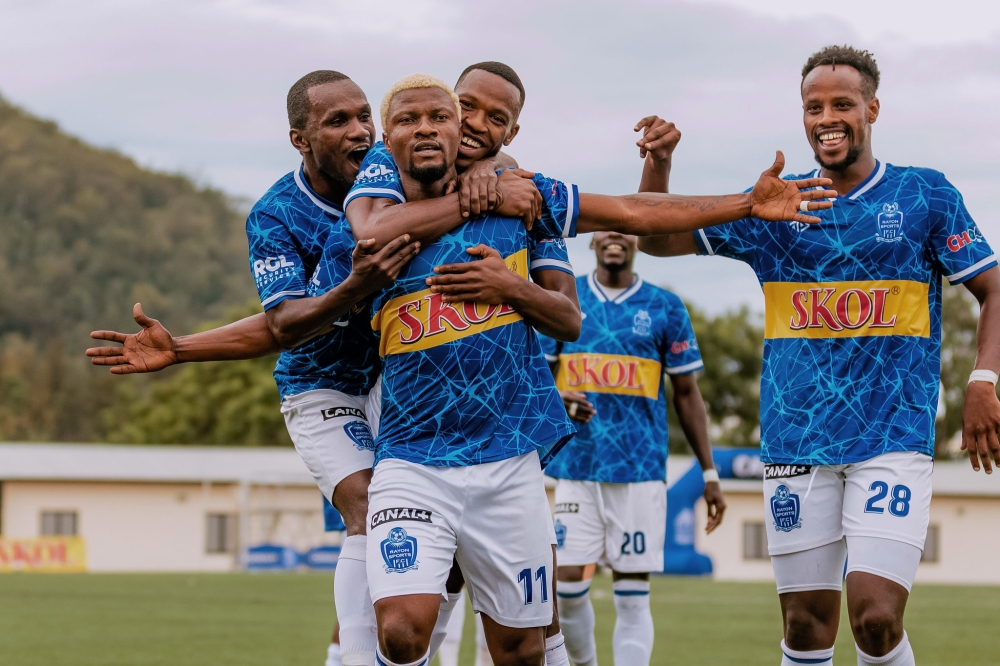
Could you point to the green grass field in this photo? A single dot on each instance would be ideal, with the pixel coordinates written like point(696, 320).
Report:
point(285, 619)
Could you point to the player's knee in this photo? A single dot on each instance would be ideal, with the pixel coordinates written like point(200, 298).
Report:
point(570, 574)
point(877, 629)
point(400, 640)
point(530, 651)
point(807, 630)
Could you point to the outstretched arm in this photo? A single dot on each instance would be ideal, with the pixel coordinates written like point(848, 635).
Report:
point(981, 415)
point(693, 416)
point(550, 306)
point(648, 214)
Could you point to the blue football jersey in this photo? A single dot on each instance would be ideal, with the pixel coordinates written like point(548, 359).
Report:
point(463, 383)
point(287, 231)
point(626, 345)
point(853, 314)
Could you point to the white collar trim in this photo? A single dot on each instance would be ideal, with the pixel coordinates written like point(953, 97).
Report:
point(312, 197)
point(600, 294)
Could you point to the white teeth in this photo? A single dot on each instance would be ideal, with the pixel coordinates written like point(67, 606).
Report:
point(831, 136)
point(614, 246)
point(471, 143)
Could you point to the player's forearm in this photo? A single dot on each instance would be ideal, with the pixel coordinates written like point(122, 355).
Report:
point(988, 331)
point(655, 175)
point(296, 322)
point(551, 313)
point(247, 338)
point(693, 415)
point(669, 245)
point(650, 214)
point(425, 221)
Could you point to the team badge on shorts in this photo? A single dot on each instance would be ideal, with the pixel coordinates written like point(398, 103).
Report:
point(560, 534)
point(360, 434)
point(399, 551)
point(785, 509)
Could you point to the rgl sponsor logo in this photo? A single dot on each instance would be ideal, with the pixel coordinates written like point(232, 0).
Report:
point(271, 265)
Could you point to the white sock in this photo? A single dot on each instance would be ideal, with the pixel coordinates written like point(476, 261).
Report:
point(355, 612)
point(440, 630)
point(555, 651)
point(576, 618)
point(790, 657)
point(633, 638)
point(333, 655)
point(448, 652)
point(483, 657)
point(901, 655)
point(381, 660)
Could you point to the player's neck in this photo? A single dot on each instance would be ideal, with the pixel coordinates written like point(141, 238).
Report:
point(846, 180)
point(331, 189)
point(418, 191)
point(615, 279)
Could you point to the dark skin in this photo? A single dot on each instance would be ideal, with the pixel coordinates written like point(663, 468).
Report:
point(423, 133)
point(838, 116)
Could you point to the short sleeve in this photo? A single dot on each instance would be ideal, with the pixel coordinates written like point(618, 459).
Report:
point(377, 177)
point(561, 207)
point(680, 347)
point(275, 260)
point(957, 245)
point(736, 240)
point(550, 347)
point(548, 254)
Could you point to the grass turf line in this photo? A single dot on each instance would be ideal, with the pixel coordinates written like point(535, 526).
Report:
point(285, 619)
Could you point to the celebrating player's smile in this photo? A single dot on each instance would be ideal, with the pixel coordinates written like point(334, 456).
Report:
point(408, 282)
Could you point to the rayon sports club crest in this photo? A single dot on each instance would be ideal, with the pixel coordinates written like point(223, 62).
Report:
point(889, 224)
point(785, 508)
point(399, 551)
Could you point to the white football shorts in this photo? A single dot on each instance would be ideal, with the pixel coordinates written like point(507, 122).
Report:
point(875, 513)
point(621, 524)
point(493, 518)
point(331, 432)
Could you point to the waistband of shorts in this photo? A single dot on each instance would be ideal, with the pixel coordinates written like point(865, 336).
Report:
point(324, 394)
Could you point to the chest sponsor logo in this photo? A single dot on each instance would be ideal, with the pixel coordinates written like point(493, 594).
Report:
point(641, 323)
point(785, 509)
point(967, 237)
point(567, 507)
point(337, 412)
point(889, 224)
point(846, 309)
point(399, 551)
point(772, 471)
point(422, 320)
point(609, 373)
point(401, 513)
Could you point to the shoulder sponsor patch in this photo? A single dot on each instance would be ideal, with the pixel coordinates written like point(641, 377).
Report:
point(773, 471)
point(567, 507)
point(401, 513)
point(337, 412)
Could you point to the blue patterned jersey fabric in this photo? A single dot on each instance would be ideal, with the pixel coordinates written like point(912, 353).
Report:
point(466, 383)
point(626, 344)
point(853, 314)
point(287, 231)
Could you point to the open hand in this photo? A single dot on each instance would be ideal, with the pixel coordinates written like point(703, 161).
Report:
point(519, 197)
point(778, 200)
point(149, 350)
point(716, 504)
point(485, 281)
point(981, 425)
point(373, 271)
point(577, 406)
point(659, 138)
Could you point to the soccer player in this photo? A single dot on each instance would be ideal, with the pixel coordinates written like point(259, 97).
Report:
point(851, 370)
point(611, 498)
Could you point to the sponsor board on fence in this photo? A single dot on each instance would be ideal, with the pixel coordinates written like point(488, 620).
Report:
point(43, 554)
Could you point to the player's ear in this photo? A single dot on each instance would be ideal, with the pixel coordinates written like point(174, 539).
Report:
point(299, 141)
point(873, 109)
point(592, 246)
point(385, 141)
point(511, 133)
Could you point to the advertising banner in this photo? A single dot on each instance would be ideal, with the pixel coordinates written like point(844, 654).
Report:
point(43, 554)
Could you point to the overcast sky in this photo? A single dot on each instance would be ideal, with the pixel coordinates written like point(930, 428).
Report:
point(199, 86)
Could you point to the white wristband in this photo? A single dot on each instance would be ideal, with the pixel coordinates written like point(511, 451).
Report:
point(710, 475)
point(983, 376)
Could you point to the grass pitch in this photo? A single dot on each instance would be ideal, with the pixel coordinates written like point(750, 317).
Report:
point(285, 619)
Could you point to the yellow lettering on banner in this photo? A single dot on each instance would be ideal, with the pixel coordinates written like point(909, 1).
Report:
point(609, 373)
point(44, 554)
point(846, 309)
point(418, 321)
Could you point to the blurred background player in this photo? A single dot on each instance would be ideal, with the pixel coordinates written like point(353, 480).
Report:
point(849, 388)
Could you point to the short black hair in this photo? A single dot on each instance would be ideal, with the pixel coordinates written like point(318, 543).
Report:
point(863, 61)
point(504, 71)
point(298, 95)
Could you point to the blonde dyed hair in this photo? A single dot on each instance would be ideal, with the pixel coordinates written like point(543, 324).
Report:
point(414, 81)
